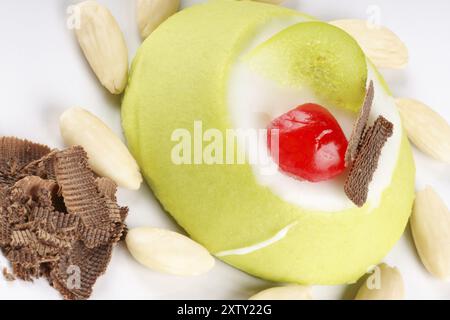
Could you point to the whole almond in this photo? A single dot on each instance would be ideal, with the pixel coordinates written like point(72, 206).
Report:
point(381, 45)
point(108, 156)
point(103, 45)
point(385, 283)
point(425, 128)
point(292, 292)
point(151, 13)
point(430, 225)
point(168, 252)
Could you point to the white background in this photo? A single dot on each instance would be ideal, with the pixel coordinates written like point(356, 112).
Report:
point(42, 72)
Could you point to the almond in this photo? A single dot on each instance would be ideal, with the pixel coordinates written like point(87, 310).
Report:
point(380, 44)
point(385, 283)
point(103, 45)
point(292, 292)
point(108, 156)
point(151, 13)
point(168, 252)
point(425, 128)
point(430, 225)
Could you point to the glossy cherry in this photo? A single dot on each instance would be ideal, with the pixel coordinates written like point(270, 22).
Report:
point(311, 143)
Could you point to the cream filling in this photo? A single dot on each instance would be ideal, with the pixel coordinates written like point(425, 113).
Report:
point(254, 101)
point(246, 250)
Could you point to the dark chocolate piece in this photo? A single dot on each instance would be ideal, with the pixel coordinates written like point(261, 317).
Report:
point(366, 162)
point(360, 126)
point(79, 189)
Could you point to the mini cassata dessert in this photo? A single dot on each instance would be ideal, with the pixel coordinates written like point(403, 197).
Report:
point(343, 187)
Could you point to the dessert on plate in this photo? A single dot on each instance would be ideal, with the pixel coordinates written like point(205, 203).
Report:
point(343, 187)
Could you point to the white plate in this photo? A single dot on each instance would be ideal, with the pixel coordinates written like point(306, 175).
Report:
point(42, 72)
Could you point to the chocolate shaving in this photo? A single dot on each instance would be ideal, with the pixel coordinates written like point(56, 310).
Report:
point(20, 152)
point(107, 188)
point(21, 238)
point(5, 229)
point(7, 178)
point(32, 184)
point(124, 233)
point(17, 213)
point(360, 126)
point(2, 196)
point(47, 253)
point(24, 256)
point(55, 214)
point(8, 276)
point(90, 263)
point(124, 213)
point(16, 154)
point(364, 150)
point(94, 237)
point(43, 192)
point(121, 229)
point(22, 272)
point(115, 214)
point(52, 221)
point(53, 240)
point(43, 167)
point(366, 162)
point(79, 189)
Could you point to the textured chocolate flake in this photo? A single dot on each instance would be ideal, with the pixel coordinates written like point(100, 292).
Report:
point(23, 256)
point(54, 215)
point(121, 229)
point(22, 238)
point(42, 192)
point(54, 221)
point(53, 240)
point(366, 162)
point(360, 126)
point(23, 272)
point(5, 228)
point(79, 189)
point(47, 253)
point(94, 237)
point(17, 213)
point(2, 196)
point(43, 167)
point(16, 154)
point(107, 188)
point(90, 263)
point(32, 184)
point(20, 151)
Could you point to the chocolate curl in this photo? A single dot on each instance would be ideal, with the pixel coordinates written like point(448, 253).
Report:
point(360, 126)
point(79, 189)
point(91, 263)
point(366, 162)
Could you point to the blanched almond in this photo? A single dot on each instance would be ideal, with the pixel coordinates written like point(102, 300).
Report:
point(168, 252)
point(292, 292)
point(108, 156)
point(425, 128)
point(385, 283)
point(381, 45)
point(151, 13)
point(430, 225)
point(103, 45)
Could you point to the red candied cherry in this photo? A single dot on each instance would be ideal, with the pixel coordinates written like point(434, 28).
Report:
point(311, 143)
